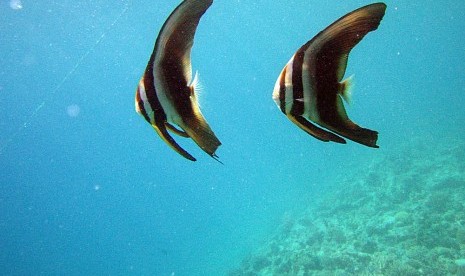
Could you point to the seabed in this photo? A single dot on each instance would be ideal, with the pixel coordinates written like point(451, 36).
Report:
point(403, 215)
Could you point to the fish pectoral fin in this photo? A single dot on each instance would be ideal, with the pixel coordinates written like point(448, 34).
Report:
point(315, 131)
point(345, 89)
point(195, 85)
point(175, 130)
point(161, 130)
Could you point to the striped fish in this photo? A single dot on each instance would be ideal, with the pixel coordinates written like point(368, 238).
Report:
point(166, 94)
point(310, 88)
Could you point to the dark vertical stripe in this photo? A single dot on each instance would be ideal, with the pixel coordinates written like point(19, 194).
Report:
point(297, 84)
point(159, 115)
point(176, 87)
point(282, 90)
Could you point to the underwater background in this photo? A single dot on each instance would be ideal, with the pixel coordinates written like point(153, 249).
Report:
point(88, 188)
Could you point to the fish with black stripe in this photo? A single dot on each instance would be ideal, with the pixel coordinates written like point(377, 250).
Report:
point(166, 94)
point(310, 89)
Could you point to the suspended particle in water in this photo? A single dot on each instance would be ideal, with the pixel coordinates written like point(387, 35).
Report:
point(29, 60)
point(73, 110)
point(16, 4)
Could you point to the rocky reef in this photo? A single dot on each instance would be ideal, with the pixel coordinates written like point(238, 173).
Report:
point(402, 215)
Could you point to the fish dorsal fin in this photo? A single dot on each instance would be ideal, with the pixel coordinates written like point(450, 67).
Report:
point(345, 89)
point(329, 50)
point(176, 38)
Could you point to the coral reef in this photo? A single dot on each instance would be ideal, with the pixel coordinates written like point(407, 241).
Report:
point(404, 215)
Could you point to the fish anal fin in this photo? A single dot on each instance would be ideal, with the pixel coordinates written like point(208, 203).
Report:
point(315, 131)
point(161, 130)
point(357, 134)
point(342, 125)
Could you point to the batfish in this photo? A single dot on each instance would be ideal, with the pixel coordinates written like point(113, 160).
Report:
point(166, 94)
point(310, 89)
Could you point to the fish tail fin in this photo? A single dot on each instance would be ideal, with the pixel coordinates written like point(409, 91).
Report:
point(198, 129)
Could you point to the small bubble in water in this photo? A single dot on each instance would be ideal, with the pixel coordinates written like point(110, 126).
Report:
point(73, 110)
point(16, 4)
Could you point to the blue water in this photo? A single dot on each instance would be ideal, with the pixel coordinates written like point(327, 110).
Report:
point(96, 192)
